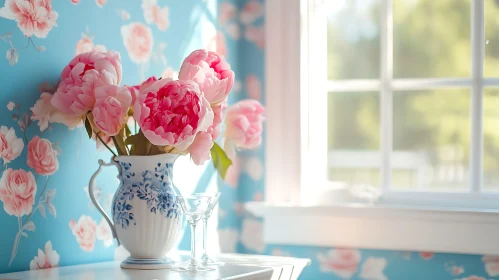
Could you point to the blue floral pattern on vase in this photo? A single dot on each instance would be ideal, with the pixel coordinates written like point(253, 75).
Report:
point(154, 187)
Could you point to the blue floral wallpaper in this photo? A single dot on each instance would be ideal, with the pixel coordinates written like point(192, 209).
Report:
point(46, 215)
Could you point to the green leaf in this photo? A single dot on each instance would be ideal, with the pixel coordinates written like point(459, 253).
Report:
point(220, 160)
point(88, 127)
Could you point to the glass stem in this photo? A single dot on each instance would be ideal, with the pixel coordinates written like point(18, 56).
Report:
point(193, 243)
point(205, 234)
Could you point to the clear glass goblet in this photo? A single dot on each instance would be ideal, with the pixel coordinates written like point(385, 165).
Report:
point(205, 259)
point(193, 208)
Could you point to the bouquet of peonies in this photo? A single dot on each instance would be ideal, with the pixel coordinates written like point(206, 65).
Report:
point(158, 116)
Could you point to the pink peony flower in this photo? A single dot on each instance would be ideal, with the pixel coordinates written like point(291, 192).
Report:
point(45, 113)
point(10, 146)
point(200, 148)
point(244, 123)
point(111, 108)
point(214, 128)
point(135, 90)
point(138, 41)
point(17, 192)
point(103, 232)
point(75, 94)
point(251, 12)
point(153, 13)
point(211, 72)
point(343, 262)
point(47, 259)
point(33, 17)
point(75, 2)
point(172, 113)
point(84, 231)
point(41, 157)
point(100, 3)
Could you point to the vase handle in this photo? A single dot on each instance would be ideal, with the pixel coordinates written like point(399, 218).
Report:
point(95, 202)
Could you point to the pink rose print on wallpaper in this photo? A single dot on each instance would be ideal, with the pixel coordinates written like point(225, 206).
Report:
point(85, 232)
point(251, 11)
point(252, 235)
point(18, 187)
point(253, 87)
point(343, 262)
point(42, 157)
point(426, 255)
point(45, 259)
point(256, 35)
point(227, 20)
point(217, 44)
point(153, 13)
point(100, 3)
point(86, 44)
point(103, 232)
point(45, 113)
point(10, 146)
point(33, 17)
point(138, 41)
point(17, 192)
point(473, 277)
point(372, 269)
point(491, 265)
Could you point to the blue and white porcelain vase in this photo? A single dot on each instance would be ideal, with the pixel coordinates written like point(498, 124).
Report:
point(146, 219)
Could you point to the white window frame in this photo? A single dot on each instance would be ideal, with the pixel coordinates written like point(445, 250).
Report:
point(296, 160)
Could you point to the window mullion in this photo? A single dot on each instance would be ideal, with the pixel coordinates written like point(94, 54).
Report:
point(477, 55)
point(386, 64)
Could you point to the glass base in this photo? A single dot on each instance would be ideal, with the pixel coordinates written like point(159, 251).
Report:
point(207, 261)
point(192, 265)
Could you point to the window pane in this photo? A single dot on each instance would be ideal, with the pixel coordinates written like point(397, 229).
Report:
point(353, 138)
point(431, 134)
point(491, 139)
point(431, 38)
point(353, 39)
point(491, 63)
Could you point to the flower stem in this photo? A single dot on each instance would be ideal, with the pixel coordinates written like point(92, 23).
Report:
point(105, 144)
point(39, 198)
point(4, 165)
point(25, 138)
point(21, 224)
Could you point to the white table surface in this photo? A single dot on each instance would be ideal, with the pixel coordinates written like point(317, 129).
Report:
point(238, 266)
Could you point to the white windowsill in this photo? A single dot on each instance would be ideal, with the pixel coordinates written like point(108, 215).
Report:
point(451, 230)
